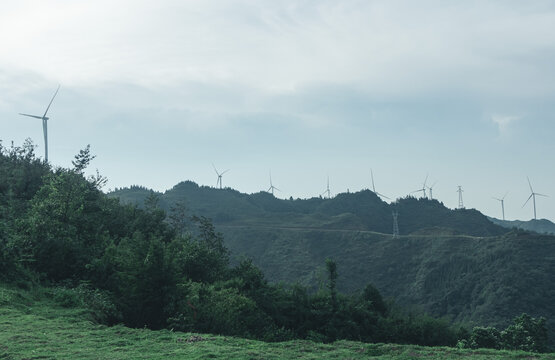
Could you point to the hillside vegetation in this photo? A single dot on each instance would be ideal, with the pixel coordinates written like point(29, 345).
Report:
point(452, 263)
point(144, 267)
point(37, 325)
point(541, 226)
point(362, 210)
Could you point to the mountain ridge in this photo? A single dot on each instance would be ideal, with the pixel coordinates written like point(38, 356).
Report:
point(452, 263)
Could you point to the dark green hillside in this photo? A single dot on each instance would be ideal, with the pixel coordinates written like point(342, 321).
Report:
point(474, 280)
point(146, 268)
point(453, 263)
point(542, 226)
point(362, 210)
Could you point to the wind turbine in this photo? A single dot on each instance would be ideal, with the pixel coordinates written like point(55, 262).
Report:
point(533, 196)
point(430, 188)
point(374, 188)
point(327, 189)
point(423, 187)
point(272, 187)
point(44, 124)
point(502, 200)
point(219, 182)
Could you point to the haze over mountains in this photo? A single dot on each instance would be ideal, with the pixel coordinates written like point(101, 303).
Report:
point(454, 263)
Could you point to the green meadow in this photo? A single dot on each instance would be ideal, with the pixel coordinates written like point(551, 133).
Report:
point(33, 325)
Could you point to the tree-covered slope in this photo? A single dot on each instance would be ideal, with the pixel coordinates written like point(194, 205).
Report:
point(542, 226)
point(468, 279)
point(362, 210)
point(453, 263)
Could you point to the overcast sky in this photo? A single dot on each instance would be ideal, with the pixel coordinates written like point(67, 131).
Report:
point(461, 90)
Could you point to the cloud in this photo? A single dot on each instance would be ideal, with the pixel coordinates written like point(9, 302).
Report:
point(503, 121)
point(387, 48)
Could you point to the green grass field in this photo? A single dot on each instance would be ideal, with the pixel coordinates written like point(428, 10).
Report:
point(34, 326)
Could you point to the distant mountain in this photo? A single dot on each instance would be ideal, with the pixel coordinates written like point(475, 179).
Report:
point(542, 226)
point(362, 210)
point(453, 263)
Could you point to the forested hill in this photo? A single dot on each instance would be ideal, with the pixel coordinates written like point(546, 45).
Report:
point(149, 267)
point(541, 226)
point(362, 210)
point(452, 263)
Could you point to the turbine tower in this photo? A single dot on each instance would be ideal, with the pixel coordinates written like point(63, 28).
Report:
point(272, 187)
point(327, 191)
point(423, 187)
point(533, 196)
point(219, 182)
point(460, 191)
point(430, 188)
point(44, 124)
point(502, 200)
point(374, 188)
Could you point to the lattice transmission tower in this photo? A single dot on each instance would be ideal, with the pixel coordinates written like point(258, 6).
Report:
point(460, 191)
point(395, 225)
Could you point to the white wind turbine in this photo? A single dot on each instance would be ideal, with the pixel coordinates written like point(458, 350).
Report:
point(430, 189)
point(219, 182)
point(44, 124)
point(502, 201)
point(533, 196)
point(423, 187)
point(272, 187)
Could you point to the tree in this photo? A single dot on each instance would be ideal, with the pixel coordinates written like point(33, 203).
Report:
point(82, 160)
point(526, 333)
point(331, 267)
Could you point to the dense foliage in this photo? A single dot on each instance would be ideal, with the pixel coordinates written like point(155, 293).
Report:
point(144, 268)
point(362, 210)
point(449, 263)
point(525, 333)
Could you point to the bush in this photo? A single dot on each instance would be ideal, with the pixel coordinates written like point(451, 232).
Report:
point(485, 337)
point(98, 302)
point(526, 333)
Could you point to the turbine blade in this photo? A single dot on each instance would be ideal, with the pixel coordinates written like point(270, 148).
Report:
point(225, 171)
point(528, 199)
point(383, 196)
point(215, 169)
point(275, 188)
point(503, 198)
point(372, 176)
point(426, 179)
point(542, 195)
point(531, 190)
point(51, 101)
point(415, 191)
point(33, 116)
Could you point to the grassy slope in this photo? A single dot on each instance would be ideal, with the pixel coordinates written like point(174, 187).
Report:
point(34, 327)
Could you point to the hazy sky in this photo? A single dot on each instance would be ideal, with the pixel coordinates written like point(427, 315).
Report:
point(461, 90)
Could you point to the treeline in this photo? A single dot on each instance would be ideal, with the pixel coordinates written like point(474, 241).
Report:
point(146, 267)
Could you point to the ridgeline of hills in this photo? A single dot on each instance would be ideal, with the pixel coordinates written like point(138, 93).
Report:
point(363, 211)
point(541, 226)
point(453, 263)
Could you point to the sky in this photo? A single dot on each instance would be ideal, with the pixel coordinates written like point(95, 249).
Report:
point(461, 92)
